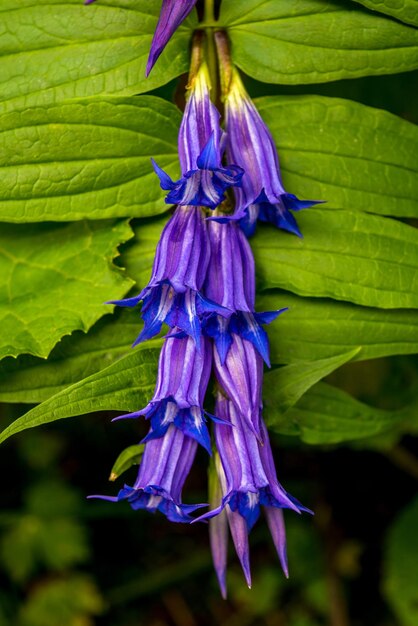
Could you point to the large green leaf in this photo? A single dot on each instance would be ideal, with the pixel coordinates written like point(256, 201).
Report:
point(123, 386)
point(312, 329)
point(57, 49)
point(401, 566)
point(318, 329)
point(87, 158)
point(54, 279)
point(358, 257)
point(327, 415)
point(292, 381)
point(32, 380)
point(314, 41)
point(350, 155)
point(404, 10)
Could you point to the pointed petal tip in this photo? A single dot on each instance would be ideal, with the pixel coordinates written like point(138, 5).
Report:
point(137, 341)
point(100, 497)
point(150, 65)
point(221, 576)
point(247, 575)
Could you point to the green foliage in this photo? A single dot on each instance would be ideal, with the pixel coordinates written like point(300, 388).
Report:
point(127, 385)
point(315, 41)
point(369, 260)
point(404, 10)
point(47, 535)
point(327, 415)
point(55, 49)
point(128, 457)
point(292, 381)
point(71, 601)
point(48, 274)
point(86, 159)
point(401, 566)
point(32, 380)
point(353, 156)
point(315, 328)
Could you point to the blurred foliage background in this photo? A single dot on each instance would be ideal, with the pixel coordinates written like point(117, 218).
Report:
point(67, 561)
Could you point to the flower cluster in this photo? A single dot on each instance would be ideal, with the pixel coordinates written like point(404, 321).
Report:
point(203, 288)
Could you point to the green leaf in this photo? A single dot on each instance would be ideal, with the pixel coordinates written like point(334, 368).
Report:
point(128, 457)
point(362, 258)
point(89, 158)
point(404, 10)
point(353, 156)
point(292, 381)
point(54, 279)
point(53, 50)
point(32, 380)
point(315, 41)
point(327, 415)
point(401, 566)
point(318, 329)
point(123, 386)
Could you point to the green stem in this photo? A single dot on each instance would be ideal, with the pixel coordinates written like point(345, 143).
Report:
point(211, 59)
point(209, 13)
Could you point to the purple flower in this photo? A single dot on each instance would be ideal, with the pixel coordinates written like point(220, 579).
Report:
point(173, 13)
point(164, 467)
point(230, 281)
point(250, 145)
point(241, 377)
point(248, 481)
point(183, 376)
point(204, 179)
point(173, 294)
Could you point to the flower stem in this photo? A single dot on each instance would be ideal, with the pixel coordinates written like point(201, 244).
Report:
point(211, 59)
point(209, 14)
point(225, 63)
point(198, 44)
